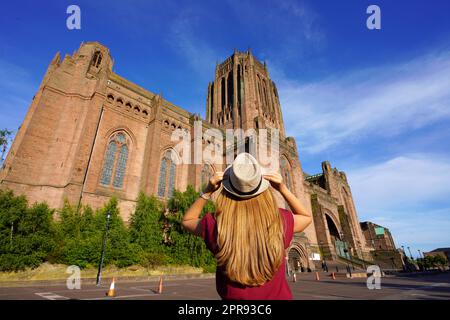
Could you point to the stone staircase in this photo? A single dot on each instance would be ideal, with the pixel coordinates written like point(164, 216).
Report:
point(346, 268)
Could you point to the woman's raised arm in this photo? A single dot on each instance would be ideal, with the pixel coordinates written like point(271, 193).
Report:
point(191, 219)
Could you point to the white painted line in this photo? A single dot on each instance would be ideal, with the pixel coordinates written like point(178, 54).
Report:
point(82, 290)
point(51, 296)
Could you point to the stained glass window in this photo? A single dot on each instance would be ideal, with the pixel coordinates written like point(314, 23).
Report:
point(121, 165)
point(288, 179)
point(120, 138)
point(162, 178)
point(285, 172)
point(109, 163)
point(115, 161)
point(206, 174)
point(171, 179)
point(167, 174)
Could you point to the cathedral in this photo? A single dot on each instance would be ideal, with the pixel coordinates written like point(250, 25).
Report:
point(90, 134)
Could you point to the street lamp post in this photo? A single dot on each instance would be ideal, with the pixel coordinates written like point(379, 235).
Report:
point(403, 259)
point(419, 257)
point(412, 259)
point(423, 259)
point(421, 254)
point(100, 266)
point(410, 254)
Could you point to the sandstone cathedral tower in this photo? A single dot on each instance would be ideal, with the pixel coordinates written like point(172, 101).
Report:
point(90, 134)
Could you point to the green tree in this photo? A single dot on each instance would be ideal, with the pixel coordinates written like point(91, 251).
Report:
point(146, 230)
point(146, 223)
point(81, 235)
point(78, 236)
point(440, 261)
point(26, 233)
point(119, 250)
point(185, 247)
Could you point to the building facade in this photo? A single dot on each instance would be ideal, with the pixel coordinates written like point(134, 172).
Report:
point(378, 237)
point(90, 134)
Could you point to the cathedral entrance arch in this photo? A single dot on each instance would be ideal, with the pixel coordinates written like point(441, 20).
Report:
point(336, 237)
point(332, 228)
point(297, 259)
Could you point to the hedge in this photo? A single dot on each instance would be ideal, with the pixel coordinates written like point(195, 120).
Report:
point(31, 235)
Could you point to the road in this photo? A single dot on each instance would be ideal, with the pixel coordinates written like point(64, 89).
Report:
point(430, 287)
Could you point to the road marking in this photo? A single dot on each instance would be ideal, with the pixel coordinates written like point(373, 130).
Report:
point(83, 290)
point(439, 284)
point(51, 296)
point(128, 296)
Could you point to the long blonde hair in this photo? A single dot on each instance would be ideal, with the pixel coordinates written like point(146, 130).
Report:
point(250, 237)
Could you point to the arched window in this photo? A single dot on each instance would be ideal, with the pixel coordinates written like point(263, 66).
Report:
point(109, 163)
point(115, 162)
point(97, 59)
point(121, 165)
point(206, 174)
point(285, 173)
point(167, 174)
point(162, 178)
point(171, 186)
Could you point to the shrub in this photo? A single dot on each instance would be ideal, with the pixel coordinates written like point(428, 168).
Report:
point(27, 235)
point(185, 247)
point(146, 225)
point(81, 237)
point(30, 235)
point(118, 250)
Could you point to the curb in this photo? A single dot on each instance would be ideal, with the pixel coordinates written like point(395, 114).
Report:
point(92, 281)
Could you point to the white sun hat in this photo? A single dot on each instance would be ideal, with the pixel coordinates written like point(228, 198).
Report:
point(243, 178)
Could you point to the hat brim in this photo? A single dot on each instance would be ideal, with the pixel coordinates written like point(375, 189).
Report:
point(227, 186)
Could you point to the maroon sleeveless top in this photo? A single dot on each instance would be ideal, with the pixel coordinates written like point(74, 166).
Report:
point(275, 289)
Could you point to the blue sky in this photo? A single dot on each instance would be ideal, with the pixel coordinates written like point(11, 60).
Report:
point(375, 103)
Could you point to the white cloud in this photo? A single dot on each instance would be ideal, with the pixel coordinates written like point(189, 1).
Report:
point(424, 230)
point(401, 183)
point(375, 102)
point(408, 194)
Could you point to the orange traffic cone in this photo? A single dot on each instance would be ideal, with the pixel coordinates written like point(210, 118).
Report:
point(317, 276)
point(112, 291)
point(333, 276)
point(294, 278)
point(160, 287)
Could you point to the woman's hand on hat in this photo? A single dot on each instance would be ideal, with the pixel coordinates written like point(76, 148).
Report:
point(214, 182)
point(275, 179)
